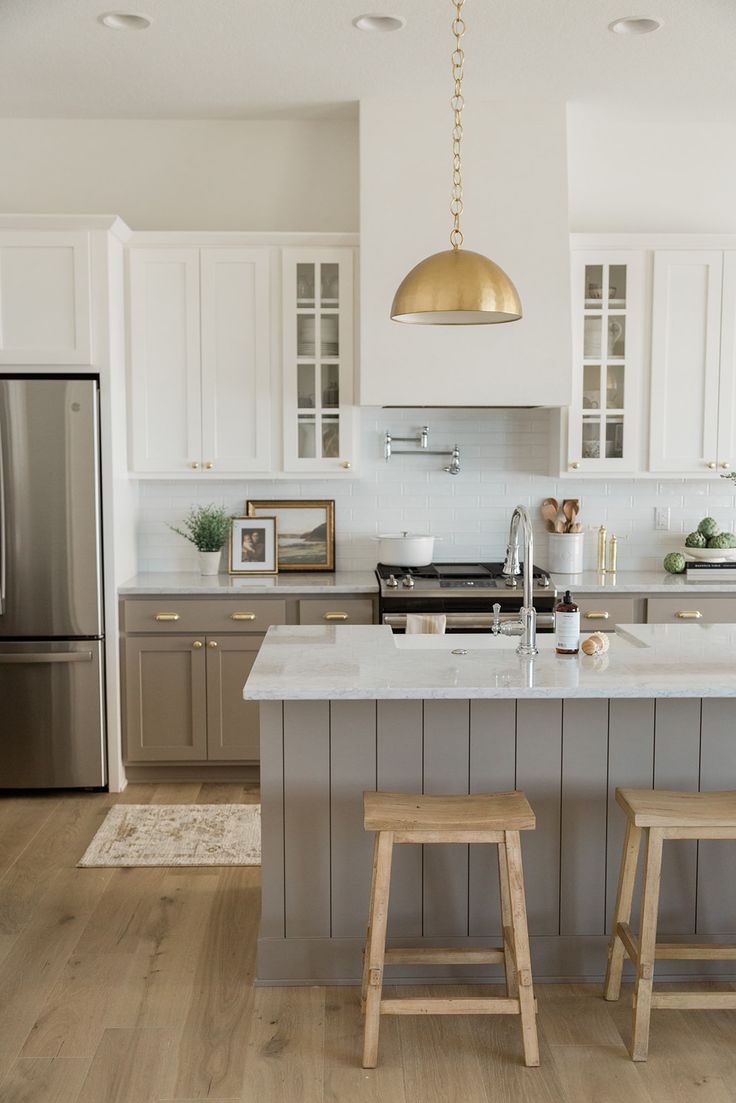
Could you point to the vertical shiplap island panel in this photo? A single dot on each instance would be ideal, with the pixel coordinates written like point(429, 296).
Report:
point(717, 858)
point(630, 765)
point(583, 836)
point(538, 759)
point(272, 819)
point(492, 770)
point(446, 763)
point(677, 766)
point(399, 769)
point(352, 772)
point(307, 817)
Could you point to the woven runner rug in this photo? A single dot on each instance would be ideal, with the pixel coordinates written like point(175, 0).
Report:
point(177, 835)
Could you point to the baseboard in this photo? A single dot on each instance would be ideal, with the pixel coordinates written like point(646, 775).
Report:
point(162, 774)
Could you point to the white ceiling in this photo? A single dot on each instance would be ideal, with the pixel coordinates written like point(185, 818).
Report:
point(303, 58)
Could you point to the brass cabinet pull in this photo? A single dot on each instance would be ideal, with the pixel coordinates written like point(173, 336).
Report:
point(725, 465)
point(209, 465)
point(166, 616)
point(689, 614)
point(242, 616)
point(575, 466)
point(346, 464)
point(597, 614)
point(194, 465)
point(212, 643)
point(712, 465)
point(197, 644)
point(335, 616)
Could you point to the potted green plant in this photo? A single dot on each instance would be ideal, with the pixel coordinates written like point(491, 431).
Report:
point(207, 527)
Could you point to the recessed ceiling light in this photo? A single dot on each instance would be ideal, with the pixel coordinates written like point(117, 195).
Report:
point(634, 24)
point(379, 22)
point(125, 21)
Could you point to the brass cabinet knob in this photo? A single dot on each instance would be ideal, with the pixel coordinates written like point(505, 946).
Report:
point(725, 465)
point(689, 614)
point(346, 464)
point(212, 643)
point(194, 465)
point(712, 465)
point(166, 616)
point(209, 465)
point(197, 644)
point(575, 465)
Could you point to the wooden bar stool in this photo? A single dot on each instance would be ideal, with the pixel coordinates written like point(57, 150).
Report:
point(404, 818)
point(662, 814)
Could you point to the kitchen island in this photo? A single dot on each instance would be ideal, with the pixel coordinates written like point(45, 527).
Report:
point(349, 709)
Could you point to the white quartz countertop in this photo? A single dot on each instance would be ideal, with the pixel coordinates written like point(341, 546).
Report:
point(290, 582)
point(637, 582)
point(370, 663)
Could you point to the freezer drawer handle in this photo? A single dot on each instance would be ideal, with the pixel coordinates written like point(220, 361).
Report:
point(242, 616)
point(48, 657)
point(166, 616)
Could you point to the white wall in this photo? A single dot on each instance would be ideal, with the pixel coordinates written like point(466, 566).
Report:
point(504, 455)
point(184, 175)
point(639, 174)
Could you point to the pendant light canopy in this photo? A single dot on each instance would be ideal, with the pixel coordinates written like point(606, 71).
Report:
point(456, 287)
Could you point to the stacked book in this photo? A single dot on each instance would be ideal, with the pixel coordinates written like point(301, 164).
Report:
point(709, 571)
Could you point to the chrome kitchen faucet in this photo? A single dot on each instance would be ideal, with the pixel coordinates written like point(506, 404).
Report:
point(526, 625)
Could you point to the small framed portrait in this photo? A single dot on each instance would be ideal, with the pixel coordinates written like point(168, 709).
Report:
point(253, 546)
point(306, 536)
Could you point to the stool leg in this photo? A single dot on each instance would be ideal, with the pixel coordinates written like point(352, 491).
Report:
point(512, 985)
point(521, 948)
point(376, 947)
point(622, 914)
point(364, 984)
point(647, 942)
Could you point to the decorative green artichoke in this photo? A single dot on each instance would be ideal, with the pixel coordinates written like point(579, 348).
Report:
point(722, 540)
point(674, 562)
point(709, 527)
point(695, 540)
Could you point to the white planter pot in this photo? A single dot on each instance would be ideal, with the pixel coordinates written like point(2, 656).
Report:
point(565, 552)
point(209, 562)
point(405, 549)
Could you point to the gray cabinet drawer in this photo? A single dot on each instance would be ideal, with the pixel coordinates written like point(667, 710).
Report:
point(165, 614)
point(601, 613)
point(337, 610)
point(691, 607)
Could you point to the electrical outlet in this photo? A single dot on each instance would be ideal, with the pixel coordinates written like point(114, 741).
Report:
point(662, 519)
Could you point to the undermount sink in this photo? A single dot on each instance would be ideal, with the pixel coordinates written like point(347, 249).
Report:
point(468, 641)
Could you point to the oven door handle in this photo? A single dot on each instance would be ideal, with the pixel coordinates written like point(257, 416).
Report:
point(470, 620)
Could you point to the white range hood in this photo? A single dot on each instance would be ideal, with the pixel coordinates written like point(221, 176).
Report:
point(516, 211)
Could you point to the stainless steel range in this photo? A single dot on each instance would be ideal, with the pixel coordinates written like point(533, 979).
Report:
point(465, 592)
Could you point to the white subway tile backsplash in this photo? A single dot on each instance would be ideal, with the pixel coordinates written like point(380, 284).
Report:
point(504, 457)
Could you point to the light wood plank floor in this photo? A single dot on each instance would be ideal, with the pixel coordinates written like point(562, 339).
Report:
point(135, 986)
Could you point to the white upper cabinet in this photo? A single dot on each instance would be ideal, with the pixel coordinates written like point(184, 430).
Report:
point(689, 378)
point(318, 367)
point(727, 400)
point(236, 368)
point(603, 424)
point(44, 275)
point(165, 377)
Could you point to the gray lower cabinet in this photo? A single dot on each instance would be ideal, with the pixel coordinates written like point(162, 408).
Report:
point(165, 698)
point(599, 612)
point(712, 609)
point(232, 723)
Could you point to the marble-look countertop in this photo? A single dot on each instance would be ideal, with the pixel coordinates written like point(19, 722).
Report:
point(370, 663)
point(637, 582)
point(290, 582)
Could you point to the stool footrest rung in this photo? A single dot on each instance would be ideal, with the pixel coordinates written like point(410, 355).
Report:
point(453, 1005)
point(701, 1001)
point(677, 951)
point(443, 955)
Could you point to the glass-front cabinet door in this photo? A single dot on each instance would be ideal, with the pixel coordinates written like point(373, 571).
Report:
point(607, 300)
point(318, 359)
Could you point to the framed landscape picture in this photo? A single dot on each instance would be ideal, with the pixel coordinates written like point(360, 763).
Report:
point(306, 532)
point(252, 546)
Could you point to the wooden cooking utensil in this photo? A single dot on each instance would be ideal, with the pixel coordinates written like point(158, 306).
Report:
point(550, 510)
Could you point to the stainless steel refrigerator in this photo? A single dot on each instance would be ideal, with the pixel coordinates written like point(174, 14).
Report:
point(52, 717)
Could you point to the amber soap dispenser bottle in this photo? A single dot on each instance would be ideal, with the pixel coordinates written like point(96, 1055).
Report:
point(567, 626)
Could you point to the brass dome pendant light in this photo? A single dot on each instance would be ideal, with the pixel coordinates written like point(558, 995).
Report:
point(456, 287)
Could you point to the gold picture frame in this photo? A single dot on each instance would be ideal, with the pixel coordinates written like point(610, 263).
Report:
point(301, 543)
point(252, 546)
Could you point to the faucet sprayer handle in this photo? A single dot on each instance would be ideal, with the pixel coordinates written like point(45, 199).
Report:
point(496, 626)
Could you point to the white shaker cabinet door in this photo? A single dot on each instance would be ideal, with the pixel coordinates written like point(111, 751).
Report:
point(727, 399)
point(44, 298)
point(236, 386)
point(165, 377)
point(686, 335)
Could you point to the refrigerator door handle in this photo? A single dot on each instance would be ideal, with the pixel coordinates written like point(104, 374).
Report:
point(47, 657)
point(3, 544)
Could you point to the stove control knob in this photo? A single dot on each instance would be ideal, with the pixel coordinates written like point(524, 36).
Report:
point(392, 581)
point(408, 582)
point(544, 581)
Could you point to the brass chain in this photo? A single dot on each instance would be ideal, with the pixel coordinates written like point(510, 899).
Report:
point(457, 103)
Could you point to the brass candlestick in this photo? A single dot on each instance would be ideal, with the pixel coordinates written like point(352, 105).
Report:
point(602, 550)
